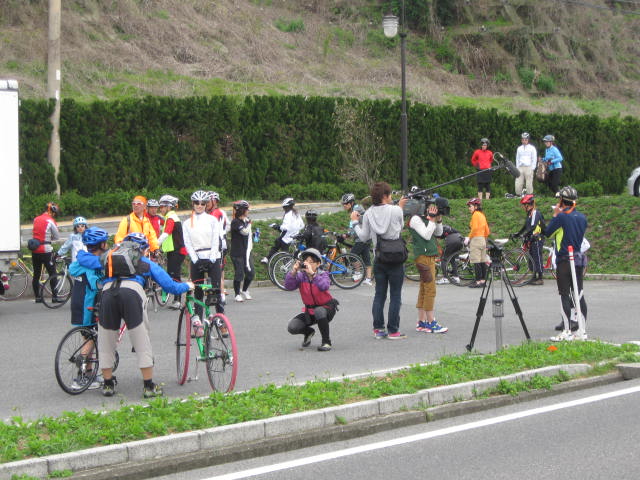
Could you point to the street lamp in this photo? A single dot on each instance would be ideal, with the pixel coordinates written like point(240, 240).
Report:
point(390, 25)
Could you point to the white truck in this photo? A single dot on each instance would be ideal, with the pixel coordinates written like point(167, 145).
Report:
point(9, 174)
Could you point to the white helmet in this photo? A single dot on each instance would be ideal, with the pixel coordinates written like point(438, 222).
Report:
point(200, 196)
point(152, 202)
point(168, 201)
point(288, 202)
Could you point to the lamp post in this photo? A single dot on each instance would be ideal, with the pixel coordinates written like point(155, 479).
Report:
point(390, 25)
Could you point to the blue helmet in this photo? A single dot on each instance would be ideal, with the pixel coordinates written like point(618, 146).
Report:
point(139, 238)
point(79, 221)
point(94, 236)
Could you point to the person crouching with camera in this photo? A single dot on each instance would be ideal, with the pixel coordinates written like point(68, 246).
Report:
point(319, 306)
point(424, 231)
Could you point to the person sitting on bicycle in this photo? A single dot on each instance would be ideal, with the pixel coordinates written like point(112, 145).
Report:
point(362, 249)
point(152, 212)
point(290, 227)
point(453, 243)
point(124, 298)
point(423, 230)
point(313, 234)
point(74, 242)
point(531, 233)
point(202, 234)
point(319, 306)
point(477, 242)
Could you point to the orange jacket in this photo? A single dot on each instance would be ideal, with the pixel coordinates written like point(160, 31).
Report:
point(131, 223)
point(479, 225)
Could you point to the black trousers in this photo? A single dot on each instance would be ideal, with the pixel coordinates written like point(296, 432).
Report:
point(41, 260)
point(201, 272)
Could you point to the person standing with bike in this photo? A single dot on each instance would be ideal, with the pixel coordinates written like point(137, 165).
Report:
point(384, 221)
point(531, 233)
point(124, 298)
point(572, 225)
point(202, 234)
point(319, 306)
point(553, 159)
point(425, 251)
point(45, 231)
point(171, 240)
point(362, 249)
point(482, 159)
point(290, 227)
point(241, 246)
point(477, 242)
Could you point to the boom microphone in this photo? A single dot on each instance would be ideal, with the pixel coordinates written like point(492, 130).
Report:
point(508, 164)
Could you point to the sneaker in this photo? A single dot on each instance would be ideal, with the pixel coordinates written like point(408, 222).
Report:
point(264, 260)
point(396, 336)
point(357, 277)
point(367, 281)
point(455, 279)
point(442, 281)
point(223, 298)
point(325, 347)
point(537, 281)
point(247, 295)
point(563, 337)
point(379, 333)
point(573, 325)
point(97, 383)
point(79, 382)
point(57, 300)
point(109, 390)
point(477, 285)
point(38, 300)
point(239, 298)
point(154, 391)
point(307, 338)
point(175, 305)
point(423, 327)
point(435, 327)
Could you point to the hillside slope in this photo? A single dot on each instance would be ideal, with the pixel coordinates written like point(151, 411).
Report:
point(525, 54)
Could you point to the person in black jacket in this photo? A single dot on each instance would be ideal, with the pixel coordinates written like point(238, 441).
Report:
point(313, 234)
point(241, 245)
point(531, 232)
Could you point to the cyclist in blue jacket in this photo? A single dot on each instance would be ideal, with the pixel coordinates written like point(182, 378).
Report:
point(553, 159)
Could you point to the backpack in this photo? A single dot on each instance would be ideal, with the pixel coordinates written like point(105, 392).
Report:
point(123, 260)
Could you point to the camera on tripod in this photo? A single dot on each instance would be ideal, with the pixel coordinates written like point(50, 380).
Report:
point(419, 200)
point(496, 249)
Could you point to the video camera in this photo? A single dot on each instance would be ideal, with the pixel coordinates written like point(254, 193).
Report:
point(419, 200)
point(496, 249)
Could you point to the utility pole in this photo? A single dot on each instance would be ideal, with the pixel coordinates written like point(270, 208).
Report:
point(53, 85)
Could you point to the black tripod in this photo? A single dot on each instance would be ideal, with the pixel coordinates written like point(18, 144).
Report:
point(496, 270)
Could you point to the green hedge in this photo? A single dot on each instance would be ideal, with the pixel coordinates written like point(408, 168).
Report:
point(256, 147)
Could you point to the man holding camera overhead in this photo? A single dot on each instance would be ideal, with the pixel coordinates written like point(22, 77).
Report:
point(424, 230)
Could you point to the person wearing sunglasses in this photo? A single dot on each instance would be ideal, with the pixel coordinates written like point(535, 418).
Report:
point(201, 234)
point(137, 221)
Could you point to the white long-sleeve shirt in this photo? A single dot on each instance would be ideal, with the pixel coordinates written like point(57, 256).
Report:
point(292, 223)
point(526, 156)
point(201, 233)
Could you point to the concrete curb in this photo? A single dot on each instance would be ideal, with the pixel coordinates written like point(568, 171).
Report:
point(144, 458)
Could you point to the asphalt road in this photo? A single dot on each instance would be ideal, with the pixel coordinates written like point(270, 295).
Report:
point(268, 354)
point(581, 435)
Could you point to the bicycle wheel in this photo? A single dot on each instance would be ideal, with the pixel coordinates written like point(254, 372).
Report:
point(76, 362)
point(55, 297)
point(222, 354)
point(459, 270)
point(271, 263)
point(347, 271)
point(18, 281)
point(281, 266)
point(162, 298)
point(183, 345)
point(411, 271)
point(517, 263)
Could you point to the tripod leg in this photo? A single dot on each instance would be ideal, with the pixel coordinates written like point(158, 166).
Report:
point(480, 311)
point(514, 301)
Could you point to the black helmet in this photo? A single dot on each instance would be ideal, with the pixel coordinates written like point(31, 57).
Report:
point(348, 198)
point(241, 205)
point(485, 141)
point(311, 215)
point(568, 193)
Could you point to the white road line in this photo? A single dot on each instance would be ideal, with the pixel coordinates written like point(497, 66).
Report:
point(422, 436)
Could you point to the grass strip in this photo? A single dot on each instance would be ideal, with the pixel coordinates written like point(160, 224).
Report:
point(79, 430)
